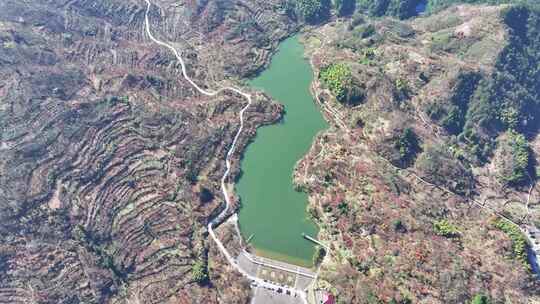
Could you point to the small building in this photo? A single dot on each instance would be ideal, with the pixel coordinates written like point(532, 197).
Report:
point(328, 298)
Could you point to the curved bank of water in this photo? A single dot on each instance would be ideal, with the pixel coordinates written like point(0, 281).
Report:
point(272, 210)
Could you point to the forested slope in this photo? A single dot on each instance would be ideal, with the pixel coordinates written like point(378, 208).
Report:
point(432, 158)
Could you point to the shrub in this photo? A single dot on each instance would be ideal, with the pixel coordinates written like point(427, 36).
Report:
point(337, 77)
point(519, 243)
point(407, 144)
point(343, 208)
point(364, 31)
point(367, 55)
point(205, 195)
point(403, 89)
point(318, 256)
point(199, 271)
point(512, 159)
point(356, 20)
point(480, 299)
point(445, 228)
point(398, 226)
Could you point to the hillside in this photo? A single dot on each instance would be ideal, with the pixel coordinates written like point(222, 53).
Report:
point(110, 160)
point(433, 147)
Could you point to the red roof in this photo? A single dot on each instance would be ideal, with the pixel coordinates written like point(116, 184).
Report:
point(329, 299)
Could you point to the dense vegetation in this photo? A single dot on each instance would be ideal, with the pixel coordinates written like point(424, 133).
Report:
point(510, 98)
point(512, 159)
point(399, 8)
point(519, 243)
point(451, 115)
point(337, 77)
point(339, 80)
point(436, 5)
point(404, 9)
point(312, 11)
point(407, 144)
point(344, 7)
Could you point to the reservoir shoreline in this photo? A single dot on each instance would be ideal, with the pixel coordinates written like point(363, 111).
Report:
point(271, 209)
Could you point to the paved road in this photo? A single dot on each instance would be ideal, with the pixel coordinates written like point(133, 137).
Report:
point(279, 266)
point(223, 214)
point(265, 296)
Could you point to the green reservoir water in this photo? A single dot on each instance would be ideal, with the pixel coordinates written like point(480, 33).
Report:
point(271, 209)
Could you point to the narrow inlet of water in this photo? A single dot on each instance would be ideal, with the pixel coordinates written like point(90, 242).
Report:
point(272, 211)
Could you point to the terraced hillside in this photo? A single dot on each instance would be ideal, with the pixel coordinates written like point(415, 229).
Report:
point(431, 156)
point(110, 160)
